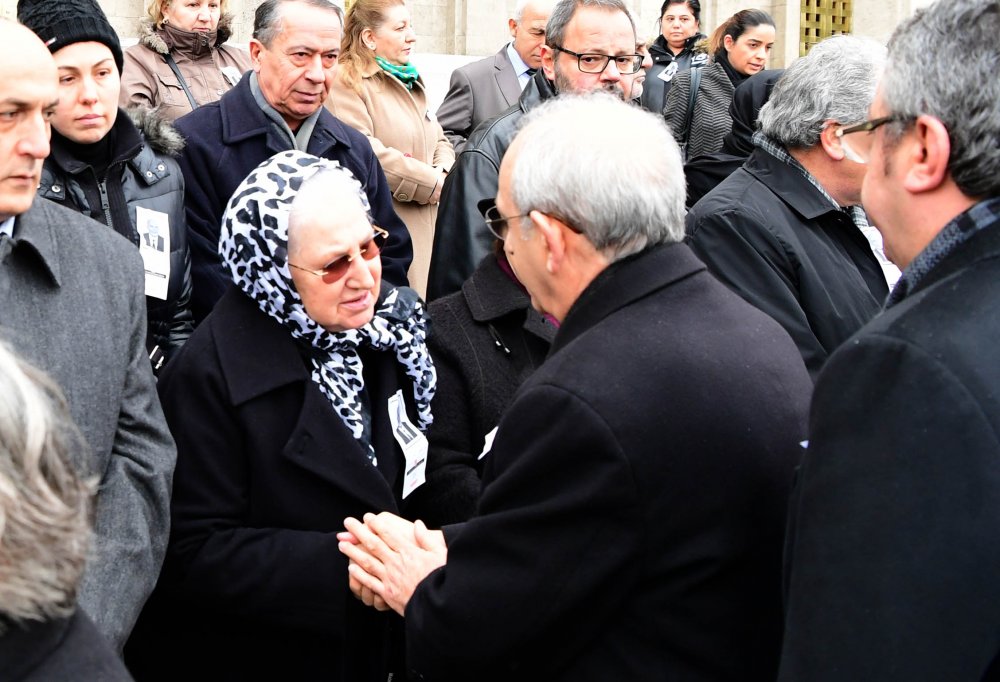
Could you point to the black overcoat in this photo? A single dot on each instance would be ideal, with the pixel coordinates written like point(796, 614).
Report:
point(634, 500)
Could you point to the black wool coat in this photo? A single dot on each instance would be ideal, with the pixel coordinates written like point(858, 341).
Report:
point(633, 507)
point(253, 586)
point(768, 234)
point(893, 564)
point(485, 341)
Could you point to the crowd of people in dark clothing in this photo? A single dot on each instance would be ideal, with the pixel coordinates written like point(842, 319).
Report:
point(635, 362)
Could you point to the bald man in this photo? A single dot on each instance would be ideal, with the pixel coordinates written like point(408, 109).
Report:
point(485, 88)
point(74, 305)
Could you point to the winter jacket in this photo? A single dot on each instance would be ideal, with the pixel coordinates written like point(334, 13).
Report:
point(485, 340)
point(210, 68)
point(461, 238)
point(150, 179)
point(773, 238)
point(710, 119)
point(410, 146)
point(665, 66)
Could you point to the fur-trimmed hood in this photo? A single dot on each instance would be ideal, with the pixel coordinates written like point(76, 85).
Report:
point(160, 134)
point(150, 36)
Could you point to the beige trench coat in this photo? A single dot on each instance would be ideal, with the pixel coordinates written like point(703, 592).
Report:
point(410, 145)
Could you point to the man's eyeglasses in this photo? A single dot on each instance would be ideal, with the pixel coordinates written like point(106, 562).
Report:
point(593, 62)
point(336, 269)
point(861, 152)
point(495, 222)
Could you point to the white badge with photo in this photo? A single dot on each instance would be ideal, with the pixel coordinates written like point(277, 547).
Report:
point(231, 74)
point(488, 442)
point(154, 247)
point(412, 441)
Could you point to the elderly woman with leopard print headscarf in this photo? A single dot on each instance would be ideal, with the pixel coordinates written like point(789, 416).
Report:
point(299, 401)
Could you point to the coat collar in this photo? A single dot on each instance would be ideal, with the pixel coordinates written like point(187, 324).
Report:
point(983, 245)
point(624, 282)
point(36, 228)
point(789, 185)
point(491, 294)
point(271, 341)
point(242, 120)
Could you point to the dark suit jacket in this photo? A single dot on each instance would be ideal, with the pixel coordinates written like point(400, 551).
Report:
point(478, 92)
point(634, 501)
point(225, 140)
point(893, 562)
point(254, 586)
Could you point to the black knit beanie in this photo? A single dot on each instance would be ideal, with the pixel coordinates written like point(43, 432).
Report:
point(63, 22)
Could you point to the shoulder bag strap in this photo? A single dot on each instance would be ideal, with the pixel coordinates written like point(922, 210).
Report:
point(692, 96)
point(184, 85)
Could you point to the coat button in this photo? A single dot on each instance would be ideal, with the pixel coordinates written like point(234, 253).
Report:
point(160, 167)
point(149, 174)
point(56, 189)
point(404, 197)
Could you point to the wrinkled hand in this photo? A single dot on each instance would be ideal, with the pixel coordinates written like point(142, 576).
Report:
point(367, 597)
point(389, 556)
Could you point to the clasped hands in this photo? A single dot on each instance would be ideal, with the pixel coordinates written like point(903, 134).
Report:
point(388, 557)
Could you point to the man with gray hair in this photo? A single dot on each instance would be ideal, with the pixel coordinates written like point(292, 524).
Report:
point(481, 90)
point(279, 106)
point(44, 536)
point(634, 495)
point(892, 555)
point(589, 45)
point(786, 231)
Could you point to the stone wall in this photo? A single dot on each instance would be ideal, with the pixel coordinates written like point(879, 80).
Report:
point(479, 27)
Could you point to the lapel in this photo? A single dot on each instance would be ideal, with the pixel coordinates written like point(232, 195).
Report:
point(983, 245)
point(319, 443)
point(503, 72)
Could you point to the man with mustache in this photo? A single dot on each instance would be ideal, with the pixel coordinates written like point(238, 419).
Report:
point(277, 107)
point(598, 29)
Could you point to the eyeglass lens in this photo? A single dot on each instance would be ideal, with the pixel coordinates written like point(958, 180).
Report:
point(368, 251)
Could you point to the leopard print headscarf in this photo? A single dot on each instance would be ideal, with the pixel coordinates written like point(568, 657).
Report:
point(254, 248)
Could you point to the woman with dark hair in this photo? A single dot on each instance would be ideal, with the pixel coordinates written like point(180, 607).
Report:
point(380, 94)
point(673, 51)
point(740, 47)
point(180, 61)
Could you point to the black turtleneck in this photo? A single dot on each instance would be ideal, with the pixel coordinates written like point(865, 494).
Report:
point(735, 77)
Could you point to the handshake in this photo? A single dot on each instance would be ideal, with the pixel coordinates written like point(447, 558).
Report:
point(388, 557)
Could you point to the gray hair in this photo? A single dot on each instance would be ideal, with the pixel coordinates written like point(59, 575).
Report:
point(267, 17)
point(958, 85)
point(563, 11)
point(519, 9)
point(835, 81)
point(44, 506)
point(574, 163)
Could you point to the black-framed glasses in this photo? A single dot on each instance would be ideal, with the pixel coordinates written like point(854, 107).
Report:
point(594, 62)
point(337, 268)
point(860, 152)
point(496, 223)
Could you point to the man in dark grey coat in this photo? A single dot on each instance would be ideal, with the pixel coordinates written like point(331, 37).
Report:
point(893, 561)
point(74, 305)
point(786, 231)
point(634, 498)
point(481, 90)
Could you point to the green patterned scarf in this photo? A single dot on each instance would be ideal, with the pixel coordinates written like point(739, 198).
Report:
point(407, 74)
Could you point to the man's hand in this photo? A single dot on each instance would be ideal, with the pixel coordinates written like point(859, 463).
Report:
point(389, 556)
